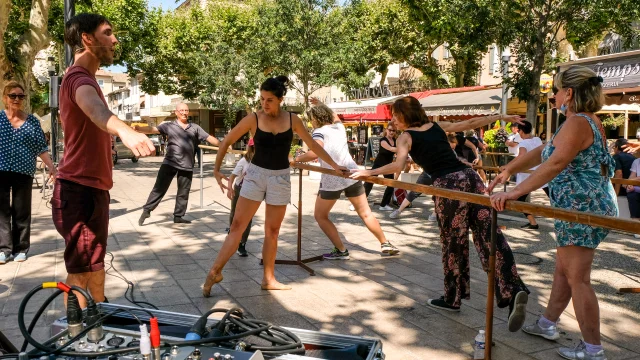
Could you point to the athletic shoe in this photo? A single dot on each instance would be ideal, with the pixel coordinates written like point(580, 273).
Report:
point(529, 226)
point(143, 217)
point(336, 254)
point(20, 257)
point(637, 236)
point(442, 305)
point(3, 258)
point(352, 208)
point(180, 220)
point(580, 352)
point(518, 310)
point(242, 252)
point(550, 333)
point(388, 250)
point(395, 214)
point(386, 208)
point(433, 217)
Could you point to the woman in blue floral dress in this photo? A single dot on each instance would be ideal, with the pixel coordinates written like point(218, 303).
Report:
point(577, 165)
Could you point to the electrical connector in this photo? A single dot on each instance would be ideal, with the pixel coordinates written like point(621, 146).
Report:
point(145, 342)
point(154, 335)
point(74, 315)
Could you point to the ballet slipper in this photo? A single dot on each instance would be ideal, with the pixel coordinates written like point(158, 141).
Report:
point(275, 285)
point(212, 279)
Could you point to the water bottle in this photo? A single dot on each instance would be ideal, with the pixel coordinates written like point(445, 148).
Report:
point(478, 346)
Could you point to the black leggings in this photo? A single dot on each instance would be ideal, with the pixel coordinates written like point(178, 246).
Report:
point(388, 192)
point(524, 197)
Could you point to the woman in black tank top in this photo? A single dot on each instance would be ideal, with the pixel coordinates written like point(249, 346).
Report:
point(267, 178)
point(428, 145)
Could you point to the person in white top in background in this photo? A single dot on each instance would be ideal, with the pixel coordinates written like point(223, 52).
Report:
point(331, 135)
point(527, 143)
point(633, 193)
point(234, 185)
point(513, 140)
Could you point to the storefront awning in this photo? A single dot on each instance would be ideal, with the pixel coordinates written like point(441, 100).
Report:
point(482, 102)
point(427, 93)
point(362, 107)
point(630, 108)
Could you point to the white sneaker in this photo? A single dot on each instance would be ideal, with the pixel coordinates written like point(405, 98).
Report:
point(352, 208)
point(637, 236)
point(433, 217)
point(395, 214)
point(386, 208)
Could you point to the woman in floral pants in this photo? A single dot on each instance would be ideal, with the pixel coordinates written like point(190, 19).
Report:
point(428, 146)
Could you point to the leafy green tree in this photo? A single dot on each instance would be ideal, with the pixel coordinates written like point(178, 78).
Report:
point(205, 55)
point(30, 26)
point(533, 29)
point(298, 38)
point(382, 32)
point(467, 26)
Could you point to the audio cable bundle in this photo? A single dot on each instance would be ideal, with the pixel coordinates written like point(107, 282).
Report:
point(234, 331)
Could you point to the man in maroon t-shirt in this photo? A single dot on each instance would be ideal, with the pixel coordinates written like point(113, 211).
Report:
point(80, 202)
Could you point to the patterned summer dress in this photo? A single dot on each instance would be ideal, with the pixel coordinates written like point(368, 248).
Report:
point(582, 186)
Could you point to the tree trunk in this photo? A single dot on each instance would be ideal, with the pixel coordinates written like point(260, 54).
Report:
point(5, 8)
point(460, 71)
point(33, 40)
point(383, 75)
point(534, 92)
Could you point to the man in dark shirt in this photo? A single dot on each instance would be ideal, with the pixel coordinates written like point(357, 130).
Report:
point(80, 201)
point(623, 165)
point(183, 137)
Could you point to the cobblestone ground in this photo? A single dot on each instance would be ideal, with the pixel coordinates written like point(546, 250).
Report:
point(368, 295)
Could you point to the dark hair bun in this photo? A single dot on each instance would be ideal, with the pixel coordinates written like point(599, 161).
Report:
point(283, 79)
point(277, 85)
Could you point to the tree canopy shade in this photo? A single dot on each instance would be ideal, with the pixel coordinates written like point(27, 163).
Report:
point(28, 26)
point(534, 28)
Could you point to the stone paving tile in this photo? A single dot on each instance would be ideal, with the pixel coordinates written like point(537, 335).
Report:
point(384, 298)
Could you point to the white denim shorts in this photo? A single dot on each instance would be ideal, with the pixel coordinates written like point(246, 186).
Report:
point(273, 186)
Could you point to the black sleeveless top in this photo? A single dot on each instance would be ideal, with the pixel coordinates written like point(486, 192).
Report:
point(384, 156)
point(431, 150)
point(272, 151)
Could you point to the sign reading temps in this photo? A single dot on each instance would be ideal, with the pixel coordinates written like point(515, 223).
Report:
point(546, 83)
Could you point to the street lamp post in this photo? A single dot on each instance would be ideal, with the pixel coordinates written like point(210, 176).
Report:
point(54, 86)
point(69, 12)
point(506, 56)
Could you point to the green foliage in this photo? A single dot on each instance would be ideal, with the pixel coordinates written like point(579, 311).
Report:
point(613, 122)
point(299, 38)
point(533, 30)
point(490, 138)
point(205, 55)
point(294, 150)
point(467, 26)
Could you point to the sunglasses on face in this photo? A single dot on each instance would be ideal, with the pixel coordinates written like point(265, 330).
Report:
point(17, 96)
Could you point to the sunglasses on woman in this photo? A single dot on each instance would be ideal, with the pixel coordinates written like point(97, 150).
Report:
point(17, 96)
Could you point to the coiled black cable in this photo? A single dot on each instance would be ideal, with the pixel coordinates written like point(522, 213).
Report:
point(36, 317)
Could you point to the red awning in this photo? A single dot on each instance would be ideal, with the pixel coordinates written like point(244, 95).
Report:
point(383, 112)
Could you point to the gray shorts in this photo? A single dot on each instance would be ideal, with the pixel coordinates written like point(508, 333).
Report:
point(273, 186)
point(354, 190)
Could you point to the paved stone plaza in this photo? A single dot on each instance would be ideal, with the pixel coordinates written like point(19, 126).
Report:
point(366, 296)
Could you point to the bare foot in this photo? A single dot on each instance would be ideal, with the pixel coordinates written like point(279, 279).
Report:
point(275, 285)
point(211, 280)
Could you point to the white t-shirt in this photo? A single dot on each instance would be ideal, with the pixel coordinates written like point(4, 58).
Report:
point(334, 137)
point(240, 171)
point(528, 144)
point(635, 166)
point(516, 138)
